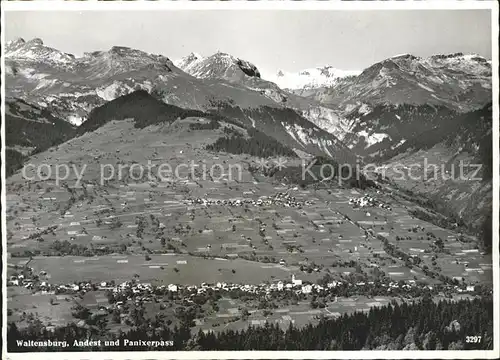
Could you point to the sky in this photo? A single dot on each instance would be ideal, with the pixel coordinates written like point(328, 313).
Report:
point(271, 39)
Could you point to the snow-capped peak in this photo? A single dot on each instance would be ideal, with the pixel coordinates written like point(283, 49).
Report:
point(404, 55)
point(323, 76)
point(222, 58)
point(35, 42)
point(187, 62)
point(14, 45)
point(218, 65)
point(194, 56)
point(35, 50)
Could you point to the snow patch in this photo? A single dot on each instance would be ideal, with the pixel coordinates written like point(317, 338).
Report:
point(425, 87)
point(44, 83)
point(401, 142)
point(311, 78)
point(364, 109)
point(75, 120)
point(374, 138)
point(253, 121)
point(31, 74)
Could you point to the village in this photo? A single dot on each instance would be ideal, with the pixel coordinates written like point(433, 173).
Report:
point(147, 292)
point(280, 199)
point(368, 201)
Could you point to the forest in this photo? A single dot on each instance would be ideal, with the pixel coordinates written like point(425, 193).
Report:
point(323, 171)
point(145, 109)
point(32, 128)
point(256, 144)
point(14, 161)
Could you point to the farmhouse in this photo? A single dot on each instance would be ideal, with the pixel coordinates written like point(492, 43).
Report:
point(296, 282)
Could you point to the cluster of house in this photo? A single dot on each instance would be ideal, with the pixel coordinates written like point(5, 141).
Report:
point(189, 291)
point(287, 200)
point(21, 280)
point(33, 283)
point(281, 199)
point(145, 291)
point(368, 201)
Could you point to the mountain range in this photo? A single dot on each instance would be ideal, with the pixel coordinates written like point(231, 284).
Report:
point(313, 78)
point(394, 111)
point(456, 80)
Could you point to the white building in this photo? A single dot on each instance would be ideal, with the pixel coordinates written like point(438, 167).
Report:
point(296, 282)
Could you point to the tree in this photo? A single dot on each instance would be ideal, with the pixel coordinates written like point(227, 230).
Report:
point(81, 312)
point(245, 314)
point(326, 279)
point(439, 243)
point(486, 233)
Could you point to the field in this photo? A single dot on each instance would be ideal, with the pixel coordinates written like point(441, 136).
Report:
point(191, 270)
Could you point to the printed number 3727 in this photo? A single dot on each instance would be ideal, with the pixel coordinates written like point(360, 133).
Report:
point(473, 339)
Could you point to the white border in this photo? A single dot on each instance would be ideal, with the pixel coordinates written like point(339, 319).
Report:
point(273, 5)
point(46, 5)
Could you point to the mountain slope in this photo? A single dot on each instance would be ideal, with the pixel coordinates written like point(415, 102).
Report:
point(30, 129)
point(400, 99)
point(242, 74)
point(452, 166)
point(283, 125)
